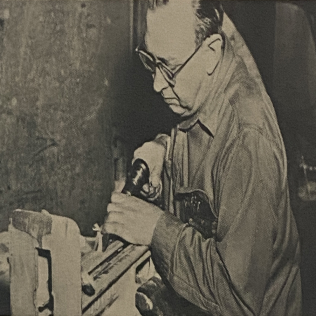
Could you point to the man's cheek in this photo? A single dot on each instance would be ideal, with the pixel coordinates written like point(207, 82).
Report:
point(184, 93)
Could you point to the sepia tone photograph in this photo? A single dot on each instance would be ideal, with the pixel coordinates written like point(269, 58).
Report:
point(157, 158)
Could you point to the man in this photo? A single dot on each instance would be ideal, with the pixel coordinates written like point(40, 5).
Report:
point(227, 241)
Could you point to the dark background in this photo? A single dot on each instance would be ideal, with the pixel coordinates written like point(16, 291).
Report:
point(75, 102)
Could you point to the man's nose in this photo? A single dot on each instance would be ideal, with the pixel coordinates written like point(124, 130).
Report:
point(160, 82)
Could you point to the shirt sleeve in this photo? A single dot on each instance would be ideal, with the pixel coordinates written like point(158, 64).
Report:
point(228, 275)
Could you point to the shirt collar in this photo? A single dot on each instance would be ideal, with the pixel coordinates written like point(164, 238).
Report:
point(211, 96)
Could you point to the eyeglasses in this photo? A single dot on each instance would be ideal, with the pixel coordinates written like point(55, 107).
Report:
point(151, 63)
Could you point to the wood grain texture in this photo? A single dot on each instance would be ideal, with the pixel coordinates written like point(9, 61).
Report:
point(64, 247)
point(23, 272)
point(59, 236)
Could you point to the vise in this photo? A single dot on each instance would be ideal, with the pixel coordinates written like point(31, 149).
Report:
point(48, 270)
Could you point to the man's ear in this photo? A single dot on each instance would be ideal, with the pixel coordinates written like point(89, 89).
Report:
point(214, 44)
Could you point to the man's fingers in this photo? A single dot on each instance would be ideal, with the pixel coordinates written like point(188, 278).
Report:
point(146, 188)
point(124, 203)
point(115, 217)
point(120, 214)
point(118, 229)
point(118, 197)
point(115, 220)
point(113, 228)
point(139, 152)
point(113, 207)
point(155, 177)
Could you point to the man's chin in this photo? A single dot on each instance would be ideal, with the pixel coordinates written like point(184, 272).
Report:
point(177, 109)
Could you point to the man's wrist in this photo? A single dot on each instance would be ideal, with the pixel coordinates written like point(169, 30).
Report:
point(164, 240)
point(164, 140)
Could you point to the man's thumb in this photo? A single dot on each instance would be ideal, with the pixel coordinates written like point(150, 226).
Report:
point(155, 177)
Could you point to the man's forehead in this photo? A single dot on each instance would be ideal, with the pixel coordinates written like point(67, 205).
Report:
point(171, 29)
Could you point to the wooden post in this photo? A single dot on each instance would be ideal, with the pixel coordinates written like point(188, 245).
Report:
point(31, 234)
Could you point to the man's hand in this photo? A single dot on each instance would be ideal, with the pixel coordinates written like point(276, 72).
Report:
point(153, 153)
point(132, 219)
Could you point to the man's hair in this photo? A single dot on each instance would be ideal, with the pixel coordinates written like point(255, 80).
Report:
point(209, 17)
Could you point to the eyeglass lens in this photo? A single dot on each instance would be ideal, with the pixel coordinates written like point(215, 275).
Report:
point(148, 61)
point(151, 64)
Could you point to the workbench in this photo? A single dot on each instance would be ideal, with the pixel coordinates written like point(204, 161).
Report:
point(48, 270)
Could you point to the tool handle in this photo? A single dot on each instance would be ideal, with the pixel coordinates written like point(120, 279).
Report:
point(137, 177)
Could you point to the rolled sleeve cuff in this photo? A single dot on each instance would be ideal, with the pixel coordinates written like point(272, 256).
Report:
point(164, 241)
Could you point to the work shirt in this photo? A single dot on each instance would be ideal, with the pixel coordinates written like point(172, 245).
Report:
point(243, 257)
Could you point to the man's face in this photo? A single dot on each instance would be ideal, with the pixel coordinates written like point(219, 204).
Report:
point(170, 37)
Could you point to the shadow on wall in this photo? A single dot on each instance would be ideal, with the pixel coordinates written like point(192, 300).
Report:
point(295, 99)
point(4, 274)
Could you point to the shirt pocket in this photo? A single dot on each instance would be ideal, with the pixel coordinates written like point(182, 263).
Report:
point(195, 210)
